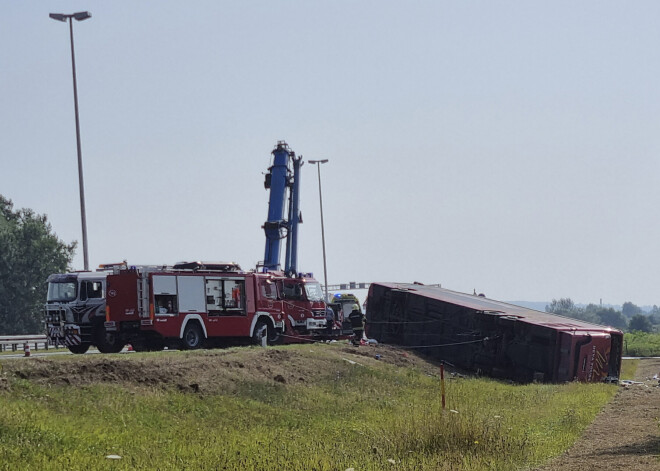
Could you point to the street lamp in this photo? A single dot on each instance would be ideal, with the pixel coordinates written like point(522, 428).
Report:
point(325, 270)
point(80, 16)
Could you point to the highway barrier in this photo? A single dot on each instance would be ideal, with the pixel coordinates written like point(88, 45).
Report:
point(18, 342)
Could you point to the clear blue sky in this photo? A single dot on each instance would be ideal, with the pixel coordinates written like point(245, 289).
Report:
point(507, 147)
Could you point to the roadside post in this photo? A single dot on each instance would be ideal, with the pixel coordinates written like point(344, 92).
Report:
point(442, 383)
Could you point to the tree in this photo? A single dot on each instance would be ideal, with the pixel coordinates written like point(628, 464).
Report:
point(563, 306)
point(641, 323)
point(29, 252)
point(590, 313)
point(566, 307)
point(611, 317)
point(629, 309)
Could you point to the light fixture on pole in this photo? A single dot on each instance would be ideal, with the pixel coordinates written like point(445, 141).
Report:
point(325, 270)
point(79, 16)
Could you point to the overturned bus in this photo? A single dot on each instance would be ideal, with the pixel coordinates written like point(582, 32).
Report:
point(492, 337)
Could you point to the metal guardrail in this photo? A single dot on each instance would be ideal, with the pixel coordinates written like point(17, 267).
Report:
point(17, 342)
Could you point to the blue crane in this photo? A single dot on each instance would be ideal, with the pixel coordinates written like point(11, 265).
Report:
point(282, 177)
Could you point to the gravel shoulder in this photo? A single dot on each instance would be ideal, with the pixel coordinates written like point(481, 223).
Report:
point(626, 434)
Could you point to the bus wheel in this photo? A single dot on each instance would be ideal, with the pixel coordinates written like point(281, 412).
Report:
point(192, 336)
point(78, 349)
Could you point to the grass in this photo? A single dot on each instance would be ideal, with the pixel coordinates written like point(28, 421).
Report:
point(641, 344)
point(369, 417)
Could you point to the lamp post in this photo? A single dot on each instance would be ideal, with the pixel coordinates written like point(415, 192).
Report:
point(325, 270)
point(80, 16)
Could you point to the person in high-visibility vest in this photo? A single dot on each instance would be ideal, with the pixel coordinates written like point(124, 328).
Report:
point(357, 323)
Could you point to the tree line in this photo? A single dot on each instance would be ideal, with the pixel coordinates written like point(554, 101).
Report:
point(630, 318)
point(29, 252)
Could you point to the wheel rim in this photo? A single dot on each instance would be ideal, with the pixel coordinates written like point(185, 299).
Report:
point(192, 338)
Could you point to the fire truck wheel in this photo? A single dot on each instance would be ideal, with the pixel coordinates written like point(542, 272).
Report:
point(274, 336)
point(260, 329)
point(108, 342)
point(78, 349)
point(192, 336)
point(265, 328)
point(110, 347)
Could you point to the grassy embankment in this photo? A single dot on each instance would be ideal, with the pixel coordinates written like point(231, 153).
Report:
point(369, 415)
point(641, 344)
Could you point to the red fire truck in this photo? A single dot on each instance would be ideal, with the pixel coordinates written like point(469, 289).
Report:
point(189, 304)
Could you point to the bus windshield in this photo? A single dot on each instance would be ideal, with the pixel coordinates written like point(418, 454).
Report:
point(62, 291)
point(314, 291)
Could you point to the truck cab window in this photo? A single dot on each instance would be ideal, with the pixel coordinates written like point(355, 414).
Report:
point(314, 292)
point(268, 289)
point(292, 290)
point(91, 290)
point(62, 291)
point(94, 289)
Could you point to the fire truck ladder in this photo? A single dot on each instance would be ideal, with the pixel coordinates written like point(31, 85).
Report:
point(143, 304)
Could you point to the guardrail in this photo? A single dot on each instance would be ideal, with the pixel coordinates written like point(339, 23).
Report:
point(17, 342)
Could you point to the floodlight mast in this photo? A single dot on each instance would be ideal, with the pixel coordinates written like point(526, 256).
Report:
point(79, 16)
point(325, 269)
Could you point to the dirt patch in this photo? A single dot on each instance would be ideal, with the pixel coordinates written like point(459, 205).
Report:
point(207, 371)
point(625, 435)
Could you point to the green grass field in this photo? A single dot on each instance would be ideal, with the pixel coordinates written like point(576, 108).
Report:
point(641, 344)
point(367, 416)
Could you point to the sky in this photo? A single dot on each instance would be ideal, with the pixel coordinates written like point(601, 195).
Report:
point(505, 147)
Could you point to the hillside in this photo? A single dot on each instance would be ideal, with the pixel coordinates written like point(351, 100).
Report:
point(321, 406)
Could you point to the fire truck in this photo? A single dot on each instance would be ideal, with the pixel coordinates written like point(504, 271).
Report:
point(75, 309)
point(191, 304)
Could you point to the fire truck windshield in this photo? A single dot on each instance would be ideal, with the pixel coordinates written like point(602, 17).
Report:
point(314, 291)
point(61, 291)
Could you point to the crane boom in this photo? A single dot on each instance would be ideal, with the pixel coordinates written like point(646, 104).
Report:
point(280, 179)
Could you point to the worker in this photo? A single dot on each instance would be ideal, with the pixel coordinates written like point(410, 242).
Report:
point(329, 318)
point(357, 323)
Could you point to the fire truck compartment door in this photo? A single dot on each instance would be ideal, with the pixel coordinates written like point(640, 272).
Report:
point(165, 284)
point(192, 297)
